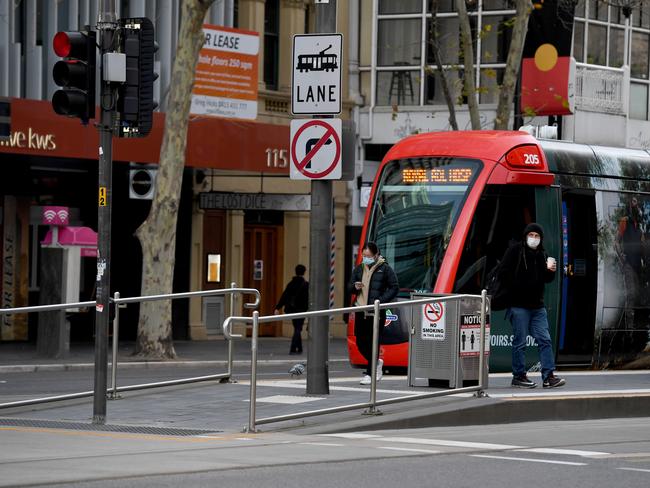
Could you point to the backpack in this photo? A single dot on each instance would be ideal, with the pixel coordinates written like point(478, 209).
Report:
point(495, 288)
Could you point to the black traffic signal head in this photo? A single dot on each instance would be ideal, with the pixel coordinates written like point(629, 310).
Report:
point(75, 74)
point(135, 102)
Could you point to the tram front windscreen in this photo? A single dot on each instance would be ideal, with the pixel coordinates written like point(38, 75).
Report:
point(415, 209)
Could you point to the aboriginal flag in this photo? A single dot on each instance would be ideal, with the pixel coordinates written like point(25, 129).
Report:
point(547, 68)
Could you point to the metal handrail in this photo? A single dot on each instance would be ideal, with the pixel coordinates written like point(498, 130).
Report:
point(372, 404)
point(117, 300)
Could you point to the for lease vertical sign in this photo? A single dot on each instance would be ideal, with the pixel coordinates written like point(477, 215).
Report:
point(225, 84)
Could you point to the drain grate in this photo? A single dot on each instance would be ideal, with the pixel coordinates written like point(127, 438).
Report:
point(133, 429)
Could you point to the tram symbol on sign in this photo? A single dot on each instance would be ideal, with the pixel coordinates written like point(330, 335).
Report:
point(317, 62)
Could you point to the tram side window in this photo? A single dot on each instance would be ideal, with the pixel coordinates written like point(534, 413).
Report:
point(500, 216)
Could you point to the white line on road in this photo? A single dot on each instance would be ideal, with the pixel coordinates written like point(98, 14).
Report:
point(568, 452)
point(441, 442)
point(351, 435)
point(635, 469)
point(548, 461)
point(407, 449)
point(331, 444)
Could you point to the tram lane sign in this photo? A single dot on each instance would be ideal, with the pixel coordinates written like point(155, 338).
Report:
point(315, 149)
point(433, 321)
point(316, 74)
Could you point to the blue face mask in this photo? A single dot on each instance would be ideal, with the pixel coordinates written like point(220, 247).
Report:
point(368, 261)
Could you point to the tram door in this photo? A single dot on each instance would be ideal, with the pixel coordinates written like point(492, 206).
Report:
point(579, 261)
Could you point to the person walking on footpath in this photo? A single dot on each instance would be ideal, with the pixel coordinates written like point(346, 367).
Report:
point(372, 280)
point(525, 270)
point(294, 299)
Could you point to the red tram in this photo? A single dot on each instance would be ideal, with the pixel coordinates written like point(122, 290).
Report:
point(445, 205)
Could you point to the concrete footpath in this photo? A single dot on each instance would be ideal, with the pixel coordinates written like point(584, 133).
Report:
point(211, 406)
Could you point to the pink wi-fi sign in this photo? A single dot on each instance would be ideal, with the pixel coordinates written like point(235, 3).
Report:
point(55, 215)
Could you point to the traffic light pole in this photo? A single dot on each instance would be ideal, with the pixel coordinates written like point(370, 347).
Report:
point(106, 25)
point(319, 257)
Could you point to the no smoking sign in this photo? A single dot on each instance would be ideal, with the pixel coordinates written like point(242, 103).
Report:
point(315, 149)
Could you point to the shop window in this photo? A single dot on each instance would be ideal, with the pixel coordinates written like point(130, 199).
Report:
point(639, 101)
point(399, 42)
point(443, 5)
point(491, 79)
point(616, 47)
point(448, 41)
point(597, 45)
point(433, 89)
point(597, 10)
point(271, 43)
point(400, 6)
point(641, 16)
point(639, 55)
point(579, 41)
point(398, 87)
point(496, 33)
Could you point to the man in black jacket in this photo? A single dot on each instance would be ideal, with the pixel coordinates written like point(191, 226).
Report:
point(295, 298)
point(524, 271)
point(372, 280)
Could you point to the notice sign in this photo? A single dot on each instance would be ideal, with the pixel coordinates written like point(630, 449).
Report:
point(225, 83)
point(316, 81)
point(433, 321)
point(470, 332)
point(315, 149)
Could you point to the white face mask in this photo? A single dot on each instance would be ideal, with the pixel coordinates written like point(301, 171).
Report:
point(533, 242)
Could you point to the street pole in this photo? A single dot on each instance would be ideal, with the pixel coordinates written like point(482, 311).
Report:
point(106, 25)
point(319, 257)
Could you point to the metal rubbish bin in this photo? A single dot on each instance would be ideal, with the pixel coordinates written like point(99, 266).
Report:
point(444, 341)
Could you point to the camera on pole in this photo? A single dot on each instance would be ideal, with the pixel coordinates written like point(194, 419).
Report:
point(75, 74)
point(135, 103)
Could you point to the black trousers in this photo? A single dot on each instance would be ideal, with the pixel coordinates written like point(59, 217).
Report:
point(296, 339)
point(363, 334)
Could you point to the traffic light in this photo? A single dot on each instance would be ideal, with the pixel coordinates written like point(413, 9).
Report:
point(135, 102)
point(75, 74)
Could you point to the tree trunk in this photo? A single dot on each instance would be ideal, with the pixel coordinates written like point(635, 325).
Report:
point(468, 62)
point(157, 234)
point(435, 49)
point(513, 64)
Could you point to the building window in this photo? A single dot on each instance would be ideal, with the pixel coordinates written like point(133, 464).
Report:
point(271, 43)
point(639, 101)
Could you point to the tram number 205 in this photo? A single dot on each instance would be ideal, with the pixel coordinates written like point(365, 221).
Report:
point(532, 159)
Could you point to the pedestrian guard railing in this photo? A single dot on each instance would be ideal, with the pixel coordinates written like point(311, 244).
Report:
point(119, 302)
point(371, 406)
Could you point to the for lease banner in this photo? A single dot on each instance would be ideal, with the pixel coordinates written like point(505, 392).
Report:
point(225, 83)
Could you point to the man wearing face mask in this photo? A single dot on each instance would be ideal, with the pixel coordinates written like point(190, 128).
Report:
point(524, 271)
point(372, 280)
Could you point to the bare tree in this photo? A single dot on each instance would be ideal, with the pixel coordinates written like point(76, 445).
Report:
point(434, 45)
point(468, 63)
point(470, 91)
point(157, 234)
point(513, 64)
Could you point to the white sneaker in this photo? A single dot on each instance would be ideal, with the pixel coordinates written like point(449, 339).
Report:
point(366, 380)
point(380, 366)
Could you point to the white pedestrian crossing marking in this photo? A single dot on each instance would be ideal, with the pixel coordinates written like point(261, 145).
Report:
point(529, 460)
point(407, 449)
point(351, 435)
point(568, 452)
point(441, 442)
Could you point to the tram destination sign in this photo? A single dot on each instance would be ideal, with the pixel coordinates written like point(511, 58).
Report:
point(316, 75)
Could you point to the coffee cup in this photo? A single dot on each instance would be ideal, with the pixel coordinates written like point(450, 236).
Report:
point(550, 263)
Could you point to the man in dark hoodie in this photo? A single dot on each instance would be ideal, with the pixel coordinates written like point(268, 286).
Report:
point(524, 271)
point(294, 299)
